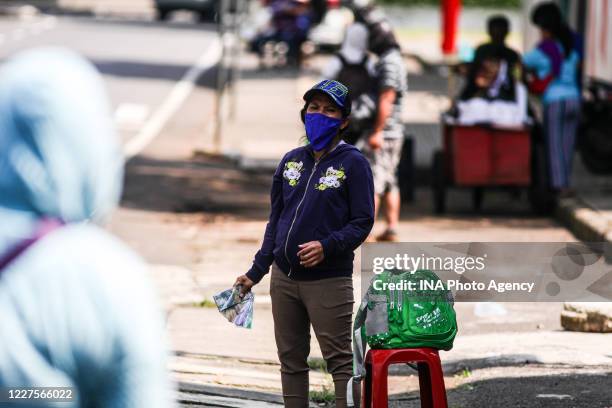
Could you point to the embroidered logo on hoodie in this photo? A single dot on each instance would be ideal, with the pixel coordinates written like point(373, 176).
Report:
point(332, 178)
point(293, 171)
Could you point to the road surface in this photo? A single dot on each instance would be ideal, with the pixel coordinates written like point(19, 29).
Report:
point(198, 220)
point(149, 68)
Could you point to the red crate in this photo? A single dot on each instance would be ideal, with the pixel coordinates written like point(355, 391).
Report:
point(486, 156)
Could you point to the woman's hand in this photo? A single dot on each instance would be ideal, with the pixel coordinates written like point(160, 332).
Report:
point(246, 283)
point(310, 254)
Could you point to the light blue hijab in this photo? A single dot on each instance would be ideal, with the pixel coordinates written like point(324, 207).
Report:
point(59, 154)
point(77, 308)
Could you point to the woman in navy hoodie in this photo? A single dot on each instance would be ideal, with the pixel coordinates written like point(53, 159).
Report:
point(322, 210)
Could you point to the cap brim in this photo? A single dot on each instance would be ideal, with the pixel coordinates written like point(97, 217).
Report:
point(311, 92)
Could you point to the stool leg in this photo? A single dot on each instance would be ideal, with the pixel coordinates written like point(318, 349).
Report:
point(425, 386)
point(438, 390)
point(379, 384)
point(367, 388)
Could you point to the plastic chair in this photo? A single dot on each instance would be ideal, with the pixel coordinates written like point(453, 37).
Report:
point(431, 378)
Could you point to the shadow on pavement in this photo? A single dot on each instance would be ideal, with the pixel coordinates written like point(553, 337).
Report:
point(270, 73)
point(576, 390)
point(210, 186)
point(218, 187)
point(502, 208)
point(453, 367)
point(138, 20)
point(428, 82)
point(149, 70)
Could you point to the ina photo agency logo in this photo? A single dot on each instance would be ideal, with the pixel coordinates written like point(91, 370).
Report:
point(549, 272)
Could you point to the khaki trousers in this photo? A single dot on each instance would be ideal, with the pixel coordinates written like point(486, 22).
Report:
point(327, 304)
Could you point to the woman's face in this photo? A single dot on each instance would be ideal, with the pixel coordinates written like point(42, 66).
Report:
point(323, 104)
point(545, 34)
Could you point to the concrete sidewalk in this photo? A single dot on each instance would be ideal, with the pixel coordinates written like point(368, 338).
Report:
point(207, 249)
point(211, 352)
point(589, 214)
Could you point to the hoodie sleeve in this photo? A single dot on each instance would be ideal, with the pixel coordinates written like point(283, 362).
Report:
point(360, 188)
point(265, 257)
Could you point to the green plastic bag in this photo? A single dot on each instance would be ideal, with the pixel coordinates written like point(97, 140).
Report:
point(418, 314)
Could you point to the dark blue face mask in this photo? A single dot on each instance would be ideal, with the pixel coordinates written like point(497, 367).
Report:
point(321, 130)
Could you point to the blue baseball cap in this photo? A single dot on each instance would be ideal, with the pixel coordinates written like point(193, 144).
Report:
point(337, 91)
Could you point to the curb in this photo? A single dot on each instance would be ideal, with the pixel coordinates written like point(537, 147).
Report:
point(187, 389)
point(585, 222)
point(194, 395)
point(238, 160)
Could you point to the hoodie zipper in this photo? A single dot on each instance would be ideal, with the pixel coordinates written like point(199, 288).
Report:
point(296, 213)
point(316, 163)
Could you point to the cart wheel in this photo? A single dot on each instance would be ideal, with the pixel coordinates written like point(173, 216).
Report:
point(439, 182)
point(541, 197)
point(477, 195)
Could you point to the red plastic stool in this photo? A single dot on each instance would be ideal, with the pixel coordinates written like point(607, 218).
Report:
point(431, 379)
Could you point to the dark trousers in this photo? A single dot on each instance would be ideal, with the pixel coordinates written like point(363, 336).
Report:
point(327, 304)
point(561, 120)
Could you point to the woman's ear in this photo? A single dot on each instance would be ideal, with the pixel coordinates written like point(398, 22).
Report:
point(344, 124)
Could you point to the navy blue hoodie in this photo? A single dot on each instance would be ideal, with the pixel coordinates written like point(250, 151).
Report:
point(331, 201)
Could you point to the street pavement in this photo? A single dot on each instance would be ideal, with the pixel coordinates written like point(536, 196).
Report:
point(197, 218)
point(142, 61)
point(222, 206)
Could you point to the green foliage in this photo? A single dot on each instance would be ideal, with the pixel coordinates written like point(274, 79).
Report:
point(465, 373)
point(317, 364)
point(326, 395)
point(466, 3)
point(206, 303)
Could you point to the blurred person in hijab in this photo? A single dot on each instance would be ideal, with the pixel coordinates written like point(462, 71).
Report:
point(76, 308)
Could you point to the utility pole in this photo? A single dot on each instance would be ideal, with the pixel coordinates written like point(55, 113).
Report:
point(231, 16)
point(220, 82)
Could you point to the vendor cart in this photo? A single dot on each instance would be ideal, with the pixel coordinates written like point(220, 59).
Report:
point(478, 157)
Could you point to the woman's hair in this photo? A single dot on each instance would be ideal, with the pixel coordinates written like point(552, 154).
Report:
point(345, 112)
point(498, 27)
point(548, 17)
